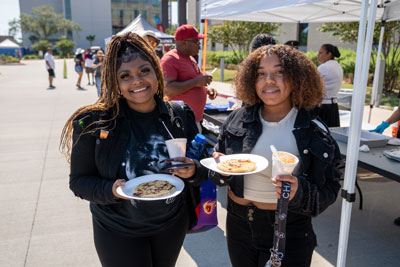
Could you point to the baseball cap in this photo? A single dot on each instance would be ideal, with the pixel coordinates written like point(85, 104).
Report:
point(187, 32)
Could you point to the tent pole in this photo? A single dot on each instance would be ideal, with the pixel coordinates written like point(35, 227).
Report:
point(205, 46)
point(201, 48)
point(357, 108)
point(374, 91)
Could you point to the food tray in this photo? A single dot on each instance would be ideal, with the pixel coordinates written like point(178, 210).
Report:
point(367, 138)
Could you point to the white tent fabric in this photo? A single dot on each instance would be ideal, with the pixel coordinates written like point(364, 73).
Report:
point(294, 10)
point(8, 44)
point(322, 11)
point(140, 24)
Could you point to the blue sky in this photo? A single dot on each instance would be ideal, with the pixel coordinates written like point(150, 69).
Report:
point(9, 9)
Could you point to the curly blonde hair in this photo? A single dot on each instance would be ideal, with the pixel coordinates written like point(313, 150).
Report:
point(110, 92)
point(301, 73)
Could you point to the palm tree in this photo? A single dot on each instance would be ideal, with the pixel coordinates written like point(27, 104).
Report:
point(90, 38)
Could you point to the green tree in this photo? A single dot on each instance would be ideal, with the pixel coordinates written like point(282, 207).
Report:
point(14, 27)
point(238, 35)
point(90, 38)
point(171, 30)
point(348, 32)
point(33, 39)
point(65, 46)
point(41, 46)
point(44, 22)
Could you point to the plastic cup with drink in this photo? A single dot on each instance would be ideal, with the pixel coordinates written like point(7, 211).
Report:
point(176, 148)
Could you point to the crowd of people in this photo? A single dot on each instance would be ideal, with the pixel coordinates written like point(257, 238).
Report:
point(288, 102)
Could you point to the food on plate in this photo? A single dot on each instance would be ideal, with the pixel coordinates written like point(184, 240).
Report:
point(237, 165)
point(156, 188)
point(286, 157)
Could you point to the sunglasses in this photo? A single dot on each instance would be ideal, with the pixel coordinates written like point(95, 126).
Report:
point(196, 41)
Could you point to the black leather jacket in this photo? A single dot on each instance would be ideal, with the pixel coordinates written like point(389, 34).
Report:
point(319, 153)
point(95, 161)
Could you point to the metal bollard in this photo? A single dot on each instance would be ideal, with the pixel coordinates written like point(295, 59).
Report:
point(222, 66)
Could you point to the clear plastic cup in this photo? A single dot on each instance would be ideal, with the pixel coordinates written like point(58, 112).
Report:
point(176, 148)
point(285, 165)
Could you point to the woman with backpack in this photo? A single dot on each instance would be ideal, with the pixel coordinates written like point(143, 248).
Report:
point(122, 137)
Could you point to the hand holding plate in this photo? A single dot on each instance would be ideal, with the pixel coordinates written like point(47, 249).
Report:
point(117, 183)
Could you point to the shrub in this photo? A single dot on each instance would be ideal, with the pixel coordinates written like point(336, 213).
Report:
point(33, 56)
point(213, 58)
point(4, 59)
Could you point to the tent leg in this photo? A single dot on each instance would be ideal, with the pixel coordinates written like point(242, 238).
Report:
point(374, 91)
point(357, 106)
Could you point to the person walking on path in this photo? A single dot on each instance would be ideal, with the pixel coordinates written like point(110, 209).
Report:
point(381, 128)
point(79, 65)
point(332, 73)
point(120, 138)
point(88, 65)
point(184, 79)
point(98, 66)
point(281, 87)
point(50, 66)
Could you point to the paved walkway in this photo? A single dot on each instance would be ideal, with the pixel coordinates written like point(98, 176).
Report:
point(43, 224)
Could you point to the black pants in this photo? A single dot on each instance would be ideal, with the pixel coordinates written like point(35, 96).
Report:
point(160, 250)
point(329, 114)
point(250, 237)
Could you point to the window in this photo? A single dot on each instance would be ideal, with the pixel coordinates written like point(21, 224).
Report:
point(212, 46)
point(303, 35)
point(67, 4)
point(121, 17)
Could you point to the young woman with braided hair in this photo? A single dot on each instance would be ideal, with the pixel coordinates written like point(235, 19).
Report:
point(121, 137)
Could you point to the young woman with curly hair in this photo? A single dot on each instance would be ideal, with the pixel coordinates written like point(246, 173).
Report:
point(280, 86)
point(122, 137)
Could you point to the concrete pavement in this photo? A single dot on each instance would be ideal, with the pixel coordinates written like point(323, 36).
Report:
point(44, 224)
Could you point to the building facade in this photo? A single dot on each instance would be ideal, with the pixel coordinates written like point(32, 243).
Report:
point(101, 18)
point(104, 18)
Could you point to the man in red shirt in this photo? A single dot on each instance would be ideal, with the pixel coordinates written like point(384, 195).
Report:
point(184, 79)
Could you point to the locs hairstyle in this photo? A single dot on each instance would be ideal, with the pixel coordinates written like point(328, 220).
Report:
point(122, 48)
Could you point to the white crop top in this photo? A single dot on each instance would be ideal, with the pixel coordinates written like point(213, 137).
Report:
point(258, 187)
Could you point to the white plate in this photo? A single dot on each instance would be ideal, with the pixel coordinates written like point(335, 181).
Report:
point(129, 187)
point(261, 163)
point(392, 154)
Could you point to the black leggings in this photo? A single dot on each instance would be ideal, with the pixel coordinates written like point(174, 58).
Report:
point(160, 250)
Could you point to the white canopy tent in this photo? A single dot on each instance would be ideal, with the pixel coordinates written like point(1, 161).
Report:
point(140, 24)
point(323, 11)
point(295, 10)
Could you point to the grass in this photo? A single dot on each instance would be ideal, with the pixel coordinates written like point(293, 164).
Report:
point(228, 75)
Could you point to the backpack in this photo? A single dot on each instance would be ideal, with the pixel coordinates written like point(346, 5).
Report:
point(204, 196)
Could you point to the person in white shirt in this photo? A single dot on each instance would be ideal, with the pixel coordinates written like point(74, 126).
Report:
point(332, 73)
point(50, 66)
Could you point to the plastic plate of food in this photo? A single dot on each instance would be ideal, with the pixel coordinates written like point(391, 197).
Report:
point(152, 187)
point(236, 164)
